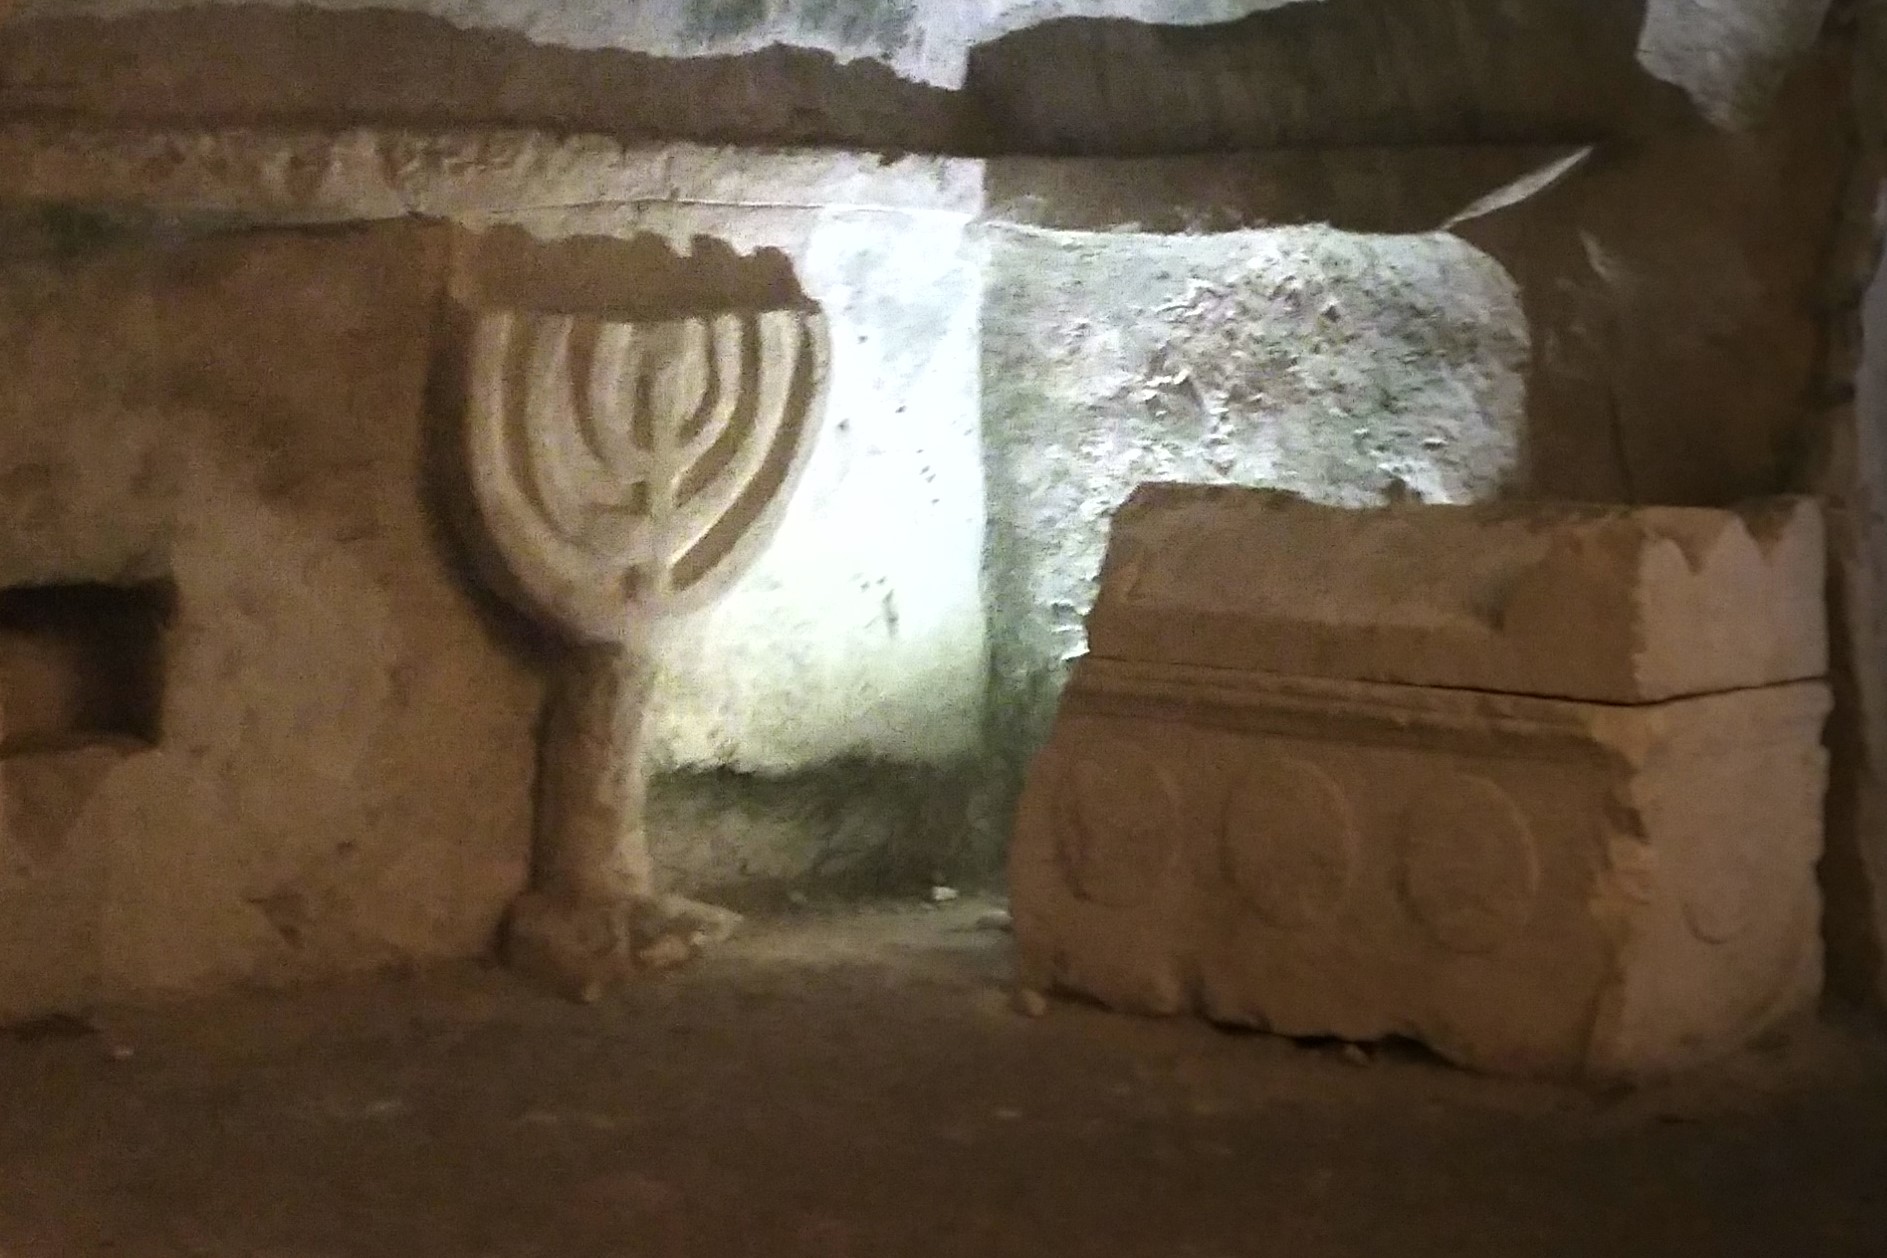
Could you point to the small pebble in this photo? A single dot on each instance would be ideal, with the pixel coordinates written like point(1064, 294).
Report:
point(666, 953)
point(943, 895)
point(1030, 1003)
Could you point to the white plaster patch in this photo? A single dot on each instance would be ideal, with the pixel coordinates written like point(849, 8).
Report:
point(925, 42)
point(1730, 56)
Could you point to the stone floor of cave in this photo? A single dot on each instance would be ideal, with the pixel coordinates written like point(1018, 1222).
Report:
point(860, 1083)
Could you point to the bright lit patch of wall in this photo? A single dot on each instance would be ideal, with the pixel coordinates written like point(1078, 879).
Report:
point(860, 633)
point(1345, 367)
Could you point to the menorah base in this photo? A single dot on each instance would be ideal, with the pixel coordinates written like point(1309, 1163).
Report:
point(582, 949)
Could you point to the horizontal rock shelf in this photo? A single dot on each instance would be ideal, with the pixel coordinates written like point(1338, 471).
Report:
point(318, 176)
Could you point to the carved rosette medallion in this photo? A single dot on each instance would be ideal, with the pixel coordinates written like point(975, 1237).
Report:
point(1290, 842)
point(1118, 825)
point(1470, 864)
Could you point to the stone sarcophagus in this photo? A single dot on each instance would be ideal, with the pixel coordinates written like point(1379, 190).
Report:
point(1539, 786)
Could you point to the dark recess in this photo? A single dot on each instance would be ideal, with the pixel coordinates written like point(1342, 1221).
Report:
point(81, 664)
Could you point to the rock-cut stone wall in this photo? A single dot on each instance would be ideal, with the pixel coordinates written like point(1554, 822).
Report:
point(832, 717)
point(1368, 249)
point(339, 772)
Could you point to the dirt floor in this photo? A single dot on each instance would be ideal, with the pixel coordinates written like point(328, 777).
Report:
point(849, 1086)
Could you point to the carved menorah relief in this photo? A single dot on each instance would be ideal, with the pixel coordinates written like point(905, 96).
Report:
point(624, 473)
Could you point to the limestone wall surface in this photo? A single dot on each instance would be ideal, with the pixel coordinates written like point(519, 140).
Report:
point(828, 718)
point(1726, 54)
point(257, 417)
point(340, 771)
point(1851, 472)
point(1566, 248)
point(1673, 288)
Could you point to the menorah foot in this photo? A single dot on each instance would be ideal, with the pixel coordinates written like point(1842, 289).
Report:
point(583, 949)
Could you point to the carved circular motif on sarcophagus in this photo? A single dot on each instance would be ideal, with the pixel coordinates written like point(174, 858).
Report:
point(1721, 901)
point(1119, 817)
point(1289, 843)
point(1471, 867)
point(1719, 872)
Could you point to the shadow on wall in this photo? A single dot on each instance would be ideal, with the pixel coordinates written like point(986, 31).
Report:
point(1338, 72)
point(323, 68)
point(642, 278)
point(853, 827)
point(1331, 72)
point(1674, 281)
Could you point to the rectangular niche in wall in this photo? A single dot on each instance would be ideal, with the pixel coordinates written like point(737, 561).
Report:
point(80, 664)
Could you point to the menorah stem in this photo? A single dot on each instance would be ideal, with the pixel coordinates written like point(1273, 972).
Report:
point(592, 783)
point(592, 918)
